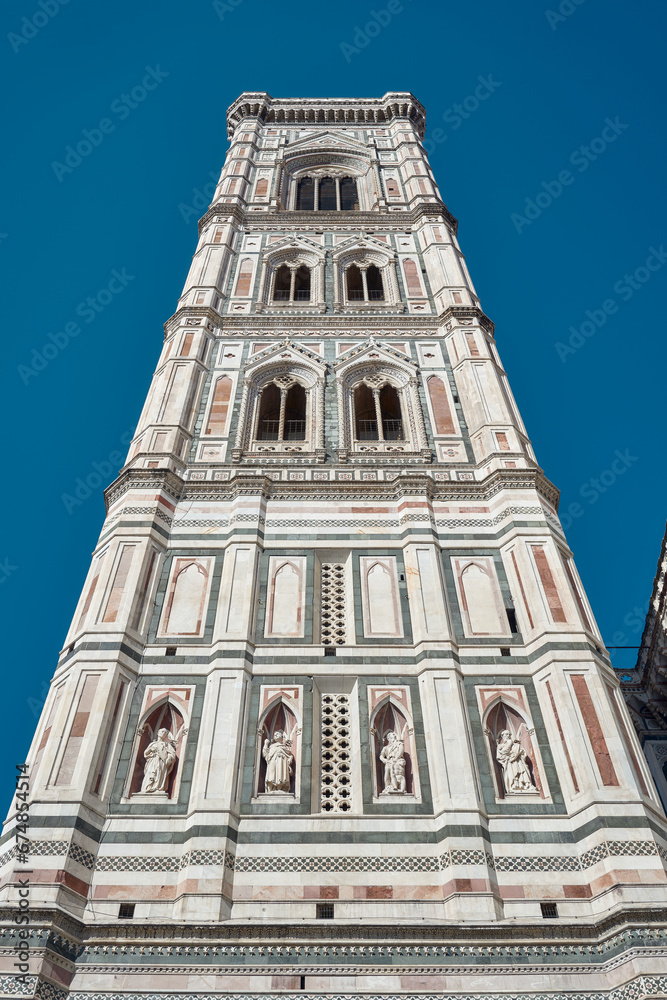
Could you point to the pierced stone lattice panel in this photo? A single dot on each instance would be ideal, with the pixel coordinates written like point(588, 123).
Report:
point(332, 604)
point(336, 782)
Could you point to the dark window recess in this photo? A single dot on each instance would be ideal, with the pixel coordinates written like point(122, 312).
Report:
point(329, 650)
point(549, 910)
point(126, 911)
point(302, 984)
point(170, 651)
point(325, 911)
point(511, 618)
point(504, 651)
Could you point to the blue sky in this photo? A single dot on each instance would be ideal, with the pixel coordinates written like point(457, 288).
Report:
point(553, 83)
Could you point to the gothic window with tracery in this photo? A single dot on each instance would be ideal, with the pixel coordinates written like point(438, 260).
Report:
point(364, 283)
point(282, 411)
point(327, 194)
point(377, 412)
point(292, 283)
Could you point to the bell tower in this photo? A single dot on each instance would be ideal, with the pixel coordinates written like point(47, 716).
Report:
point(333, 715)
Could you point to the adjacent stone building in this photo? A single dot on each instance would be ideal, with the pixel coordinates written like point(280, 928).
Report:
point(645, 687)
point(333, 716)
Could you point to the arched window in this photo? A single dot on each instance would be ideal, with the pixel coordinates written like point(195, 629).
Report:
point(283, 283)
point(302, 284)
point(390, 409)
point(365, 415)
point(294, 426)
point(262, 188)
point(377, 413)
point(244, 278)
point(269, 413)
point(327, 194)
point(220, 405)
point(282, 413)
point(328, 200)
point(349, 199)
point(374, 283)
point(305, 195)
point(392, 188)
point(292, 283)
point(364, 284)
point(355, 285)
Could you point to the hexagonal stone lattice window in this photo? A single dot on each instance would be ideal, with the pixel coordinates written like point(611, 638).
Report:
point(336, 784)
point(332, 604)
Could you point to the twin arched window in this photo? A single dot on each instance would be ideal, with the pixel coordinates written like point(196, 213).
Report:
point(282, 412)
point(364, 284)
point(327, 194)
point(377, 413)
point(292, 283)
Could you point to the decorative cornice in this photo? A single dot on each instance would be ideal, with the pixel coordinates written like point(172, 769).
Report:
point(328, 325)
point(435, 211)
point(361, 112)
point(626, 923)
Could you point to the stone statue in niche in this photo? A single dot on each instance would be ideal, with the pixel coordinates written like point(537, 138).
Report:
point(512, 758)
point(160, 755)
point(277, 753)
point(392, 756)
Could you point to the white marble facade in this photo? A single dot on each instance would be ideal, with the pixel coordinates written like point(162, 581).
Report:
point(333, 666)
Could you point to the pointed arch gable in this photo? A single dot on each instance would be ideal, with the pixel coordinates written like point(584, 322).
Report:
point(482, 608)
point(286, 597)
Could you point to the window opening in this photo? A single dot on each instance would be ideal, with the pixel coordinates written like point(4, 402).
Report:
point(305, 194)
point(292, 283)
point(328, 195)
point(282, 413)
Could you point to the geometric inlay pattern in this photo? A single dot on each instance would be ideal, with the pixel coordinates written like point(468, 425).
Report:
point(341, 863)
